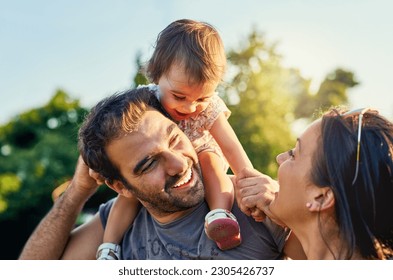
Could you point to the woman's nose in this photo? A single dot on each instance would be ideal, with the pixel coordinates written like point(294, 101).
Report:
point(281, 158)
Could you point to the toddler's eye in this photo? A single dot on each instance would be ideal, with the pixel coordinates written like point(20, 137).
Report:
point(205, 99)
point(291, 153)
point(177, 97)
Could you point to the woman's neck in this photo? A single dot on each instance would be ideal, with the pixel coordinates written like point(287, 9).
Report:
point(320, 245)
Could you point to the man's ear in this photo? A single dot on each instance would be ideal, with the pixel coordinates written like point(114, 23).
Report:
point(118, 187)
point(321, 199)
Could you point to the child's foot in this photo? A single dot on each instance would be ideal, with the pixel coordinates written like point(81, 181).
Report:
point(222, 227)
point(108, 251)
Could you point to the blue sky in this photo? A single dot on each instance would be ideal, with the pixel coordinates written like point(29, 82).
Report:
point(88, 47)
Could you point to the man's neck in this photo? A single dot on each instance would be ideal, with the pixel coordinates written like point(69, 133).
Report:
point(165, 218)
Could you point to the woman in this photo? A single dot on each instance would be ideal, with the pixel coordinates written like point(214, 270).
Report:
point(336, 187)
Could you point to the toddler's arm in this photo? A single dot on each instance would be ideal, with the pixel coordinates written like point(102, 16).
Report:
point(233, 151)
point(230, 145)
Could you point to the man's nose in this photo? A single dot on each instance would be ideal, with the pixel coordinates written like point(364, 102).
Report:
point(175, 163)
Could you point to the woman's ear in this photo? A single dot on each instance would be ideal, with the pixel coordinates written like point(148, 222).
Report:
point(118, 187)
point(322, 199)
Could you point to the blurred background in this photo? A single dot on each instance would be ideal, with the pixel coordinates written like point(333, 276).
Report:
point(288, 60)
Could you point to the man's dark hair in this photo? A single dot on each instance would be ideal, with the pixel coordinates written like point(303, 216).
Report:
point(111, 118)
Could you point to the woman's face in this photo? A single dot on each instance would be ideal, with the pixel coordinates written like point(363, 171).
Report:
point(294, 178)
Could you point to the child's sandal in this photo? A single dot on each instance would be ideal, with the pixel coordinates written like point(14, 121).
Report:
point(222, 227)
point(108, 251)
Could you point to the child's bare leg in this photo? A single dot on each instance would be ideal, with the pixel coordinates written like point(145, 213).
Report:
point(121, 216)
point(221, 225)
point(219, 192)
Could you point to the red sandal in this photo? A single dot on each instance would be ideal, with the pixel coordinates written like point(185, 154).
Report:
point(222, 227)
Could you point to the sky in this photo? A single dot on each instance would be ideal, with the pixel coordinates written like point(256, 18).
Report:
point(88, 48)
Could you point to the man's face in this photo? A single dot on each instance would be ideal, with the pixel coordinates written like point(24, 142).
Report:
point(159, 164)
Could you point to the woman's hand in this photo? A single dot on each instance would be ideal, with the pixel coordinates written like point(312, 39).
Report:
point(254, 192)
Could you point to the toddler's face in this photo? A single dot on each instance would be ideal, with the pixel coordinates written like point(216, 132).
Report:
point(182, 99)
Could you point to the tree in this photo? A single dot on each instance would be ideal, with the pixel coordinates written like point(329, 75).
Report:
point(139, 78)
point(38, 151)
point(333, 91)
point(259, 92)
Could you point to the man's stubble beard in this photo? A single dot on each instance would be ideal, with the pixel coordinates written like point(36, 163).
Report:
point(168, 203)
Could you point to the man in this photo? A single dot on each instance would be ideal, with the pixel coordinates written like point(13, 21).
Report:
point(136, 149)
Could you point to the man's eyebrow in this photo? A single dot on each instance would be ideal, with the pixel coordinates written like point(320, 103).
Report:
point(142, 162)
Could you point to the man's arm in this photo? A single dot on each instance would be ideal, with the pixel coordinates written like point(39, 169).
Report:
point(84, 241)
point(52, 237)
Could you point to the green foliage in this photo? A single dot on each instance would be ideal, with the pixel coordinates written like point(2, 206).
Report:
point(38, 152)
point(332, 92)
point(260, 94)
point(139, 78)
point(266, 98)
point(8, 183)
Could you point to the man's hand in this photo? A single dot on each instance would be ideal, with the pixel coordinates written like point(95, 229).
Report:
point(83, 181)
point(52, 237)
point(96, 176)
point(254, 192)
